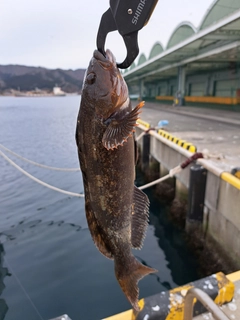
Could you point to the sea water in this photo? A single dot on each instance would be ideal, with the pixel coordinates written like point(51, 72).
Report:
point(51, 265)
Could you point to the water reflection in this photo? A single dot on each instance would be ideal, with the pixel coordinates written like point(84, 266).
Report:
point(181, 261)
point(165, 284)
point(3, 273)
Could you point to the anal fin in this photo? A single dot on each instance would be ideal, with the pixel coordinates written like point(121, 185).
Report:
point(140, 214)
point(97, 232)
point(119, 130)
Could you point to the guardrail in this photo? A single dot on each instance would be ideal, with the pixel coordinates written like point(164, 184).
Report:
point(205, 300)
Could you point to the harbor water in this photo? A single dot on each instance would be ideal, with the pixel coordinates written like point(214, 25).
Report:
point(51, 265)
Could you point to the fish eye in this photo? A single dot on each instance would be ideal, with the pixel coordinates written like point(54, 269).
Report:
point(91, 77)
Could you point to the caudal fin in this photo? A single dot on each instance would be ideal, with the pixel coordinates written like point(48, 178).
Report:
point(128, 275)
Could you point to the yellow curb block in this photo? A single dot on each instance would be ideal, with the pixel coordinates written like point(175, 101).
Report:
point(228, 177)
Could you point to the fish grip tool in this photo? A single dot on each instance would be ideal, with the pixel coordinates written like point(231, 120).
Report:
point(128, 17)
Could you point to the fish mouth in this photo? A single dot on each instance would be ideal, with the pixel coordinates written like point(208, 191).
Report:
point(106, 62)
point(113, 89)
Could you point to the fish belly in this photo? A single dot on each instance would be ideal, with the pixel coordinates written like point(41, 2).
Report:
point(108, 175)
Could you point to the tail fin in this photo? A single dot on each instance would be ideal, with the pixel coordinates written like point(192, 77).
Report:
point(128, 274)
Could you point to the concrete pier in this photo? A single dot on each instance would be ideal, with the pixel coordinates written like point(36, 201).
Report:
point(222, 196)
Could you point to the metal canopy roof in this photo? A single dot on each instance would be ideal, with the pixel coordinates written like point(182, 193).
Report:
point(211, 48)
point(218, 10)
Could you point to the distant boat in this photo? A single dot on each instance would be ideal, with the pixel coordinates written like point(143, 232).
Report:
point(33, 93)
point(20, 94)
point(57, 91)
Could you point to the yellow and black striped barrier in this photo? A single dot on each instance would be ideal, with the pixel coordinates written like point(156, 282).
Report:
point(144, 123)
point(169, 305)
point(182, 143)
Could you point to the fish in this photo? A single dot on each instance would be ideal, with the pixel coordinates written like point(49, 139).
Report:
point(116, 210)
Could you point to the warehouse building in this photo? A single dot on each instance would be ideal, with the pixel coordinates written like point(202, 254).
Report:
point(198, 66)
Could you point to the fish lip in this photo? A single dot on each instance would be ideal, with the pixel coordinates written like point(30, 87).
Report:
point(110, 57)
point(99, 56)
point(106, 62)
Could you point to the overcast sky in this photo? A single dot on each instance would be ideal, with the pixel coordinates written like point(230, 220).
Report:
point(62, 33)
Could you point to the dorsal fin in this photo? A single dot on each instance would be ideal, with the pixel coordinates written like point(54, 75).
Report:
point(119, 130)
point(140, 213)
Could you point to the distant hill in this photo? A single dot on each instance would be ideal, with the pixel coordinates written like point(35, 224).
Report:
point(29, 78)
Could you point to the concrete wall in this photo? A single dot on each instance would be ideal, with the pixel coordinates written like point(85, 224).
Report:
point(224, 219)
point(222, 197)
point(220, 83)
point(169, 157)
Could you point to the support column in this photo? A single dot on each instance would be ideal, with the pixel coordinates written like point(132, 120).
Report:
point(196, 196)
point(211, 85)
point(167, 93)
point(207, 87)
point(141, 89)
point(181, 85)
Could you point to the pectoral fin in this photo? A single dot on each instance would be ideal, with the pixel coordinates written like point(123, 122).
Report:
point(119, 130)
point(97, 233)
point(140, 215)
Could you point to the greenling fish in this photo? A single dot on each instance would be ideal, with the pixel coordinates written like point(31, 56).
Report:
point(116, 210)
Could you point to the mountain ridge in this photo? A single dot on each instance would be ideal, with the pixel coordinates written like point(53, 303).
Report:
point(28, 78)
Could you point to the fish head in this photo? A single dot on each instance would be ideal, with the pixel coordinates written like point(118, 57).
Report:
point(104, 85)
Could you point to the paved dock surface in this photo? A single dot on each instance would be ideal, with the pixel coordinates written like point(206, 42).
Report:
point(210, 130)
